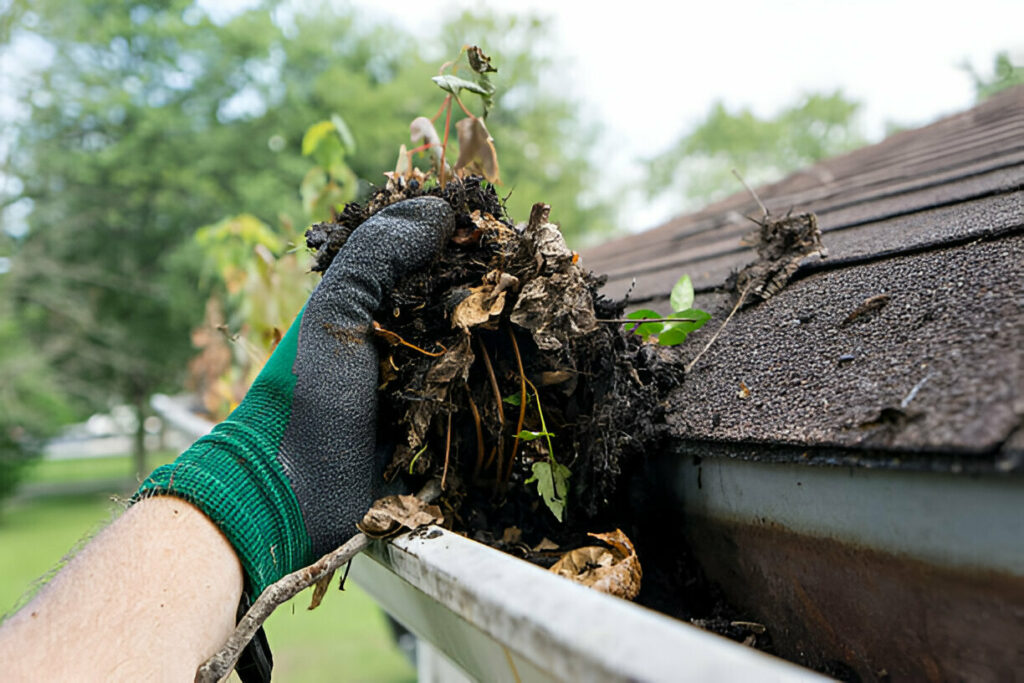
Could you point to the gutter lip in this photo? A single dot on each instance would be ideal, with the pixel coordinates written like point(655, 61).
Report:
point(590, 632)
point(558, 627)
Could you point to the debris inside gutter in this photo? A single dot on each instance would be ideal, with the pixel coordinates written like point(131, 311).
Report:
point(499, 376)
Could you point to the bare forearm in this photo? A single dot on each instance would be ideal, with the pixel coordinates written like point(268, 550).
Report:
point(151, 597)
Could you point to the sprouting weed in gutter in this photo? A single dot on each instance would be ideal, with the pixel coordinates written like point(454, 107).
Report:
point(551, 477)
point(672, 329)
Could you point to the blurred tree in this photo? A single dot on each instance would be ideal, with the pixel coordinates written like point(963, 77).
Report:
point(143, 120)
point(1005, 74)
point(31, 404)
point(699, 166)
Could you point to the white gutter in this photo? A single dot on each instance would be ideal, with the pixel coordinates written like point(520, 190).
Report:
point(499, 618)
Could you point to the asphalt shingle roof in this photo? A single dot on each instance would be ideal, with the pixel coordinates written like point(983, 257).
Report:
point(931, 218)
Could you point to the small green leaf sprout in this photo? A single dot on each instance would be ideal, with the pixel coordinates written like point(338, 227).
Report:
point(672, 329)
point(551, 477)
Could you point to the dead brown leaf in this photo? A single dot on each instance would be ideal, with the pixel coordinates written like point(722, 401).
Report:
point(560, 279)
point(485, 301)
point(320, 590)
point(545, 544)
point(478, 307)
point(512, 535)
point(476, 149)
point(614, 570)
point(391, 514)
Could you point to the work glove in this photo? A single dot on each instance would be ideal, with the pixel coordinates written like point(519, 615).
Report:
point(293, 468)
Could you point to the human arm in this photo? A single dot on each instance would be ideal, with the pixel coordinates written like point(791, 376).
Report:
point(288, 474)
point(149, 598)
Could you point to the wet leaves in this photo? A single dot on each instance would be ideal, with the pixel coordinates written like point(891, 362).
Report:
point(614, 570)
point(392, 514)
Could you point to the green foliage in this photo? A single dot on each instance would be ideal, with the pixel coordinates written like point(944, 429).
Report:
point(701, 162)
point(662, 329)
point(552, 478)
point(151, 119)
point(552, 481)
point(1005, 74)
point(331, 184)
point(527, 435)
point(32, 404)
point(454, 84)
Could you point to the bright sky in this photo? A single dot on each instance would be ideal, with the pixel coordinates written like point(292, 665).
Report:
point(648, 71)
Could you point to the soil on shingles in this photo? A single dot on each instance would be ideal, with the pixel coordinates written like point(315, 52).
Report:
point(506, 306)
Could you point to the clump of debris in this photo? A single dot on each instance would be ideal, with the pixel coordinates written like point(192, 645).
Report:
point(503, 375)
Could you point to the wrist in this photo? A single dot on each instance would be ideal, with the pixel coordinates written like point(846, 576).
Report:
point(234, 476)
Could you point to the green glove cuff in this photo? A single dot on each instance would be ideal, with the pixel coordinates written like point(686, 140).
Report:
point(233, 475)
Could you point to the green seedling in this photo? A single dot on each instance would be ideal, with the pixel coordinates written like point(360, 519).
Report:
point(551, 477)
point(672, 329)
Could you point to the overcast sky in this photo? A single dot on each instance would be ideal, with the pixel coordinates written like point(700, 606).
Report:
point(901, 59)
point(649, 71)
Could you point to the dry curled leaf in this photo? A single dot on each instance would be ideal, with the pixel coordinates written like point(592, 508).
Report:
point(478, 61)
point(476, 149)
point(320, 590)
point(391, 514)
point(485, 301)
point(614, 570)
point(478, 307)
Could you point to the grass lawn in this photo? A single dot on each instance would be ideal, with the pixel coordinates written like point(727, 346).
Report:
point(90, 469)
point(346, 639)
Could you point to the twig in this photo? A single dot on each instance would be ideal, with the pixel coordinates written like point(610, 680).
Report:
point(479, 435)
point(220, 665)
point(395, 339)
point(913, 392)
point(522, 405)
point(494, 381)
point(447, 444)
point(640, 321)
point(223, 661)
point(715, 336)
point(444, 145)
point(753, 194)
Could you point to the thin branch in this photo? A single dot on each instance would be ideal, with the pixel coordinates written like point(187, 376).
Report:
point(444, 145)
point(715, 336)
point(753, 194)
point(479, 435)
point(447, 443)
point(494, 381)
point(640, 321)
point(522, 405)
point(395, 339)
point(220, 664)
point(463, 107)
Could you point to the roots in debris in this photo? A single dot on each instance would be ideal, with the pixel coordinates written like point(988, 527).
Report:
point(495, 360)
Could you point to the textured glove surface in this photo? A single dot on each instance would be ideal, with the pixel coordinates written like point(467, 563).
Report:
point(328, 447)
point(289, 473)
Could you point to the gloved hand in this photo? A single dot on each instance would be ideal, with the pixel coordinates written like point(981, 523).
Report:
point(290, 472)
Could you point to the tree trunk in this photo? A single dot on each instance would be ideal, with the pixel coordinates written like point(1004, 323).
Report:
point(139, 447)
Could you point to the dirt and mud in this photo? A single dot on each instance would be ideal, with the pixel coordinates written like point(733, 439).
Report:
point(501, 370)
